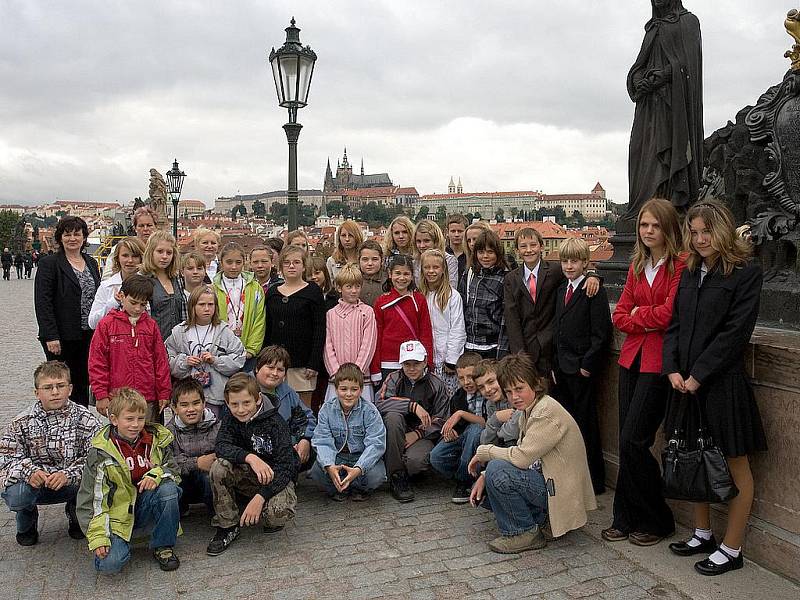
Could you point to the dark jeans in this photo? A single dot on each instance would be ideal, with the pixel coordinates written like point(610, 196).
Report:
point(156, 510)
point(576, 394)
point(415, 458)
point(76, 354)
point(22, 498)
point(638, 501)
point(196, 489)
point(451, 459)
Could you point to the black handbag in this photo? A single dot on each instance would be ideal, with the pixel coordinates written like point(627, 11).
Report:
point(696, 475)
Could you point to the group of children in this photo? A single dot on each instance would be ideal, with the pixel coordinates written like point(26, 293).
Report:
point(412, 359)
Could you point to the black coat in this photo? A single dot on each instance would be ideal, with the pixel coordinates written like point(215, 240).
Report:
point(267, 436)
point(57, 297)
point(581, 330)
point(529, 326)
point(712, 324)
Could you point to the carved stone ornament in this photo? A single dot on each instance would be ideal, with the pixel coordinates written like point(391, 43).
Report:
point(792, 24)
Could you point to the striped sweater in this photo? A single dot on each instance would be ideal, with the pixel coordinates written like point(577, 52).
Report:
point(351, 336)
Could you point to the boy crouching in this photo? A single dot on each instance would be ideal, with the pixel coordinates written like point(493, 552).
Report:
point(255, 460)
point(129, 483)
point(350, 440)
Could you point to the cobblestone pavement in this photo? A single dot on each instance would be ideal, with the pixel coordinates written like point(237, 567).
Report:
point(427, 549)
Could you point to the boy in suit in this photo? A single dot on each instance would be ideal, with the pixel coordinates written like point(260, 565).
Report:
point(529, 293)
point(581, 331)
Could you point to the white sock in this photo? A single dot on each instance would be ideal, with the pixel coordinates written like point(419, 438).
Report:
point(703, 534)
point(718, 558)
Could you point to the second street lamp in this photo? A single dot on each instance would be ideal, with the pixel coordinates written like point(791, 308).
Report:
point(292, 69)
point(175, 179)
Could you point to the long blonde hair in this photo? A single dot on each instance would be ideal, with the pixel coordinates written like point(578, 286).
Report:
point(149, 266)
point(732, 250)
point(340, 254)
point(388, 242)
point(134, 245)
point(443, 289)
point(432, 229)
point(664, 212)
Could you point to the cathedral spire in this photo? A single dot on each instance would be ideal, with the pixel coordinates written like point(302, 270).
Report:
point(362, 166)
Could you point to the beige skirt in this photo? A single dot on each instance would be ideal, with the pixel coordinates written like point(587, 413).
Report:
point(296, 378)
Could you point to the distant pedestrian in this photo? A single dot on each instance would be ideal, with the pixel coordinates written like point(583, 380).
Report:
point(27, 259)
point(19, 263)
point(7, 260)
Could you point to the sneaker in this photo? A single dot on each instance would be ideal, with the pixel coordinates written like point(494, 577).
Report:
point(514, 544)
point(30, 537)
point(269, 529)
point(359, 496)
point(224, 537)
point(400, 487)
point(461, 493)
point(337, 497)
point(166, 559)
point(74, 530)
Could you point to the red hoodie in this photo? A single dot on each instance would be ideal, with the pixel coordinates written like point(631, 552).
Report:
point(123, 355)
point(393, 329)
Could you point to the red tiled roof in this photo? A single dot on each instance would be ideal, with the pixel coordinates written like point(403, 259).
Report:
point(408, 191)
point(548, 229)
point(598, 188)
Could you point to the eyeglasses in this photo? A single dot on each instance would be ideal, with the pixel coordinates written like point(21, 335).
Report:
point(54, 386)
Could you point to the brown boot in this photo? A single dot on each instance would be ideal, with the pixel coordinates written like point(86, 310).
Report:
point(514, 544)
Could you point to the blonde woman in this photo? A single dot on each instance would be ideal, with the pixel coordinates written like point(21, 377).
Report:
point(428, 236)
point(348, 240)
point(207, 242)
point(161, 263)
point(125, 261)
point(399, 239)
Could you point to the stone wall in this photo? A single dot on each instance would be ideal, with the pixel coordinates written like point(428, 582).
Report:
point(773, 362)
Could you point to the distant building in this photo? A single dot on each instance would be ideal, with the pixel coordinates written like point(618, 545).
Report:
point(593, 205)
point(552, 233)
point(78, 208)
point(18, 208)
point(188, 208)
point(224, 204)
point(346, 180)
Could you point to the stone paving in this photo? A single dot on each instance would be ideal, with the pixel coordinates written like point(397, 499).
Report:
point(381, 549)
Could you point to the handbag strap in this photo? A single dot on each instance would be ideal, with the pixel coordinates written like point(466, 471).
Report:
point(680, 437)
point(406, 321)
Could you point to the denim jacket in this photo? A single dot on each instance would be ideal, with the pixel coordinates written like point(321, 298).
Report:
point(362, 432)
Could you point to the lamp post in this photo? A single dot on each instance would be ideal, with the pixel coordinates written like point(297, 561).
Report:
point(292, 69)
point(175, 179)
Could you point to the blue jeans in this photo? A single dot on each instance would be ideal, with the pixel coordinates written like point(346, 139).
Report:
point(364, 483)
point(517, 497)
point(452, 458)
point(196, 488)
point(156, 509)
point(22, 498)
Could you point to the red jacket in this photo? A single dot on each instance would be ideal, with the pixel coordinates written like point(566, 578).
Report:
point(125, 356)
point(655, 313)
point(393, 330)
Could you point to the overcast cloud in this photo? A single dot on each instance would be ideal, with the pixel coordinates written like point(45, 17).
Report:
point(509, 95)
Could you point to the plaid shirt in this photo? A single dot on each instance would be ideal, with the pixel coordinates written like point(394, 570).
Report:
point(482, 293)
point(56, 440)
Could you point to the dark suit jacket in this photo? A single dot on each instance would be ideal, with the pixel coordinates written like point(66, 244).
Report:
point(711, 325)
point(57, 297)
point(581, 330)
point(529, 326)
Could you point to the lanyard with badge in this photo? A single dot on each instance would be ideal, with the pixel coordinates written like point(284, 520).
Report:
point(200, 373)
point(237, 312)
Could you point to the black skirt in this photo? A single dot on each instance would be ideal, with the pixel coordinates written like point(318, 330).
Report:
point(730, 412)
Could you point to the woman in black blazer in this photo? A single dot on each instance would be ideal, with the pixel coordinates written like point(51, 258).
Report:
point(713, 317)
point(64, 290)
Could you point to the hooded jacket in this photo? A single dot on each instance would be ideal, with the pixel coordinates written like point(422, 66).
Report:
point(107, 496)
point(449, 331)
point(254, 318)
point(125, 355)
point(266, 435)
point(401, 395)
point(362, 432)
point(229, 356)
point(53, 440)
point(393, 329)
point(192, 441)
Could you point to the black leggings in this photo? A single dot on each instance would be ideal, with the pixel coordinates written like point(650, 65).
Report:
point(76, 354)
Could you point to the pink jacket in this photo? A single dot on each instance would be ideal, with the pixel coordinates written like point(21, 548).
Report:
point(122, 355)
point(352, 335)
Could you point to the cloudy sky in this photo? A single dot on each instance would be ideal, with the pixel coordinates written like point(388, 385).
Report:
point(509, 95)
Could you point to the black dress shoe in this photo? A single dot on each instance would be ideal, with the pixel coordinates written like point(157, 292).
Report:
point(707, 567)
point(684, 549)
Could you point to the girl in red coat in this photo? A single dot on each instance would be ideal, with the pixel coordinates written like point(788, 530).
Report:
point(401, 315)
point(127, 351)
point(643, 312)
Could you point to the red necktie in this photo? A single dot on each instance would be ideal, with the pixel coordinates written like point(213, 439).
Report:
point(532, 287)
point(569, 294)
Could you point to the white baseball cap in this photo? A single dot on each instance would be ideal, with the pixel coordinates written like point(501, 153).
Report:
point(412, 350)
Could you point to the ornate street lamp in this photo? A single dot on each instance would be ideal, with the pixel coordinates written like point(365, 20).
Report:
point(175, 179)
point(292, 69)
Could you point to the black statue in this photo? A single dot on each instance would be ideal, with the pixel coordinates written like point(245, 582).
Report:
point(665, 82)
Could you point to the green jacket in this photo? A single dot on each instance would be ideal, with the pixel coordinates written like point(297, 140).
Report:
point(107, 496)
point(254, 322)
